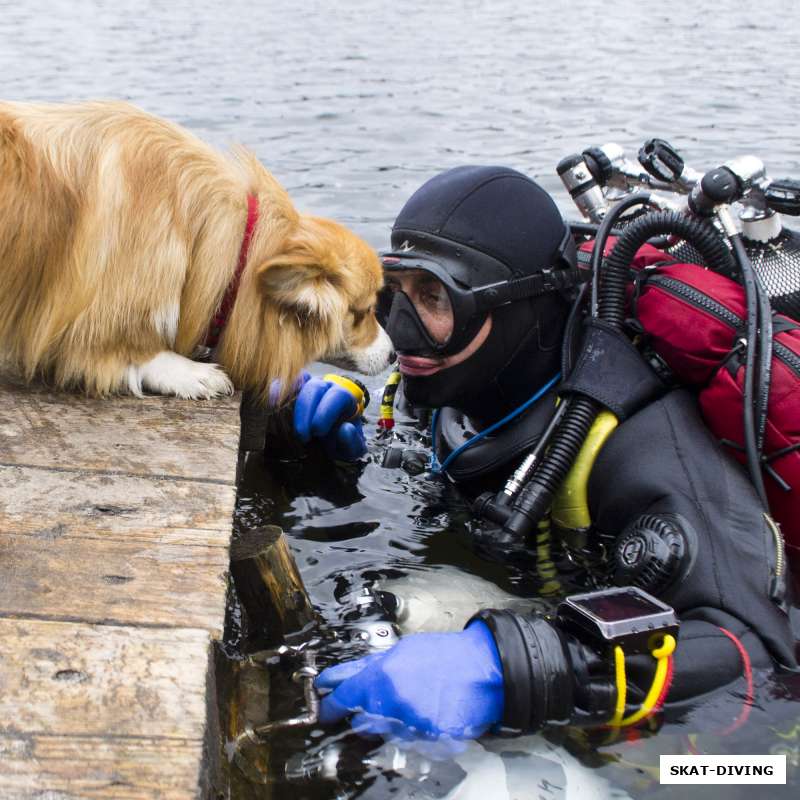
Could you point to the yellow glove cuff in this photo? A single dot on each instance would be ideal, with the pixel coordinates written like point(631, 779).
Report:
point(350, 386)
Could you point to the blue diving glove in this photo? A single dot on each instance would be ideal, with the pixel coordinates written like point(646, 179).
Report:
point(330, 409)
point(426, 686)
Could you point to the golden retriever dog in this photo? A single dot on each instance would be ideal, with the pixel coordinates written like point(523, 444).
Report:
point(121, 237)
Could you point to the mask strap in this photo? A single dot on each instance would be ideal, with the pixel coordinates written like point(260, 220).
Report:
point(550, 280)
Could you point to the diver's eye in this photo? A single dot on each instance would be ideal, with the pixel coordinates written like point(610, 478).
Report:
point(433, 296)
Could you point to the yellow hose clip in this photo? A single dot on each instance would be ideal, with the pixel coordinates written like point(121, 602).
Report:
point(350, 386)
point(662, 655)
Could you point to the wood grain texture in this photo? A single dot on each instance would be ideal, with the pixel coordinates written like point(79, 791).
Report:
point(123, 435)
point(110, 580)
point(35, 767)
point(269, 585)
point(77, 679)
point(115, 522)
point(65, 505)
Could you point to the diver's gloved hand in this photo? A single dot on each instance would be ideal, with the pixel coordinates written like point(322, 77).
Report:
point(330, 409)
point(427, 685)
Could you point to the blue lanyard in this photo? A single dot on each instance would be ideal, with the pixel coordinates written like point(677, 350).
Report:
point(436, 468)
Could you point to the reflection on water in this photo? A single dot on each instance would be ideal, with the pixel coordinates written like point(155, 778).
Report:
point(352, 106)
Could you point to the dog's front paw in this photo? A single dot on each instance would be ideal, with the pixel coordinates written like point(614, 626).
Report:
point(170, 373)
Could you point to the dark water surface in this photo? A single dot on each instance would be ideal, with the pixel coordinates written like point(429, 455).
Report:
point(353, 106)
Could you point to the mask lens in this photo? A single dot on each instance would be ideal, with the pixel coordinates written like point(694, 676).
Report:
point(427, 294)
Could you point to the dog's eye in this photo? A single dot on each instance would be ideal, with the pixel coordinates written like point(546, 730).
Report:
point(358, 316)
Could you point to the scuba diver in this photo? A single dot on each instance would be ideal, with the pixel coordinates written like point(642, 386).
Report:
point(683, 592)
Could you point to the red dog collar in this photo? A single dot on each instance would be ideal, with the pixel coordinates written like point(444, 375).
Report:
point(221, 317)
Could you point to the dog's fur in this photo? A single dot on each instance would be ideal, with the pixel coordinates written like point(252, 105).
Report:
point(119, 234)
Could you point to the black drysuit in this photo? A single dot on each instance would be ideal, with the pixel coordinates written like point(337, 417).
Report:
point(661, 460)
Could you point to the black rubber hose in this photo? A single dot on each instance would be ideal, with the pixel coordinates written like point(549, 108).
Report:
point(603, 232)
point(711, 247)
point(536, 497)
point(764, 342)
point(701, 234)
point(764, 362)
point(588, 229)
point(754, 409)
point(571, 330)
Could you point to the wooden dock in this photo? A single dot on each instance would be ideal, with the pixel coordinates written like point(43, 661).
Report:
point(115, 522)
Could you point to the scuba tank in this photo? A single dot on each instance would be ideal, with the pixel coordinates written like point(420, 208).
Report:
point(437, 600)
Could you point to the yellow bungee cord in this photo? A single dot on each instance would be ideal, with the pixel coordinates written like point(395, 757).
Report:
point(661, 655)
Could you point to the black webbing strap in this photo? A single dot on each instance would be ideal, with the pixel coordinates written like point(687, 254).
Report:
point(554, 280)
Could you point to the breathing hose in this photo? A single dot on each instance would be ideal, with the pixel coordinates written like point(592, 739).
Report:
point(536, 497)
point(755, 410)
point(704, 237)
point(716, 255)
point(603, 232)
point(753, 284)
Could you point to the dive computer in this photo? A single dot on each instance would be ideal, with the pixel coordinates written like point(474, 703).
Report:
point(626, 616)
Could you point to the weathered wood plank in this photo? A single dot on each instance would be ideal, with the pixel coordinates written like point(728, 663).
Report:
point(63, 768)
point(63, 505)
point(75, 679)
point(117, 512)
point(140, 436)
point(111, 580)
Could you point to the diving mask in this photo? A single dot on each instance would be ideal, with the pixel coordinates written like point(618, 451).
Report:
point(430, 305)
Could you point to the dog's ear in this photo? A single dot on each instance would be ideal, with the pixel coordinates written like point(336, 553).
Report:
point(301, 286)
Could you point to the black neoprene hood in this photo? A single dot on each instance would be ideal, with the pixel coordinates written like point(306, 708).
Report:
point(495, 239)
point(502, 218)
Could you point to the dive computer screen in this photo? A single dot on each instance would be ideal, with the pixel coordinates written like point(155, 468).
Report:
point(622, 615)
point(616, 607)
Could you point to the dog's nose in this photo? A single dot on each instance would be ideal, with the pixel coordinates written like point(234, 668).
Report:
point(392, 357)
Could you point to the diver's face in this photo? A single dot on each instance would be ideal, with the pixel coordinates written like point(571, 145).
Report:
point(432, 305)
point(430, 300)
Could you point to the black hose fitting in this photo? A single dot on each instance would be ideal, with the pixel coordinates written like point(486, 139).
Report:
point(488, 506)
